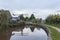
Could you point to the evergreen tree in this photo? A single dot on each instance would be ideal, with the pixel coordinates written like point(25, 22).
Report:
point(32, 17)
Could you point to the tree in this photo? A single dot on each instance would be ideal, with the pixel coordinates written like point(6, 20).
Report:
point(4, 16)
point(26, 19)
point(53, 19)
point(40, 20)
point(49, 18)
point(21, 17)
point(32, 17)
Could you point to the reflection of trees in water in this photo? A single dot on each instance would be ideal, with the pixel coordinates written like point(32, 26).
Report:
point(6, 34)
point(38, 28)
point(32, 28)
point(22, 30)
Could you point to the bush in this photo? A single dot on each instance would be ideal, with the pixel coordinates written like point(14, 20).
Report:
point(53, 19)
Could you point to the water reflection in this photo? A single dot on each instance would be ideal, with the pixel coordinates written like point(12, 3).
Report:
point(32, 33)
point(32, 29)
point(23, 33)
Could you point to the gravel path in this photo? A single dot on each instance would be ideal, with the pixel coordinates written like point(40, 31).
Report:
point(58, 29)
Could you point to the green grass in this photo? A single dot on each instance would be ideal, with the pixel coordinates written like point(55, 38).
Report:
point(54, 34)
point(54, 24)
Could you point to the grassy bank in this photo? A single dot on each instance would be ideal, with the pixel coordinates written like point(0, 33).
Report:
point(54, 24)
point(55, 35)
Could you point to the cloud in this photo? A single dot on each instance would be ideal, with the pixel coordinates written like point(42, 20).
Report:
point(44, 7)
point(39, 13)
point(24, 4)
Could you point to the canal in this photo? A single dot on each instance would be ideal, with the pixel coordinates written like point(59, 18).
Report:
point(24, 33)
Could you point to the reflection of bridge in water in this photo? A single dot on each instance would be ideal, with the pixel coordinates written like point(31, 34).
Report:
point(8, 32)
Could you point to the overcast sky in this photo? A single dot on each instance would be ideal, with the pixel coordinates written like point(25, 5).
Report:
point(44, 6)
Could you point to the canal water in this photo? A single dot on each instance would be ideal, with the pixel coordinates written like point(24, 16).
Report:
point(24, 33)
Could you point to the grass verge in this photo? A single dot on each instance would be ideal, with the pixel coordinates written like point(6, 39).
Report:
point(54, 24)
point(55, 35)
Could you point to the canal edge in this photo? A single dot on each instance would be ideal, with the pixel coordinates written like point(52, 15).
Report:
point(48, 32)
